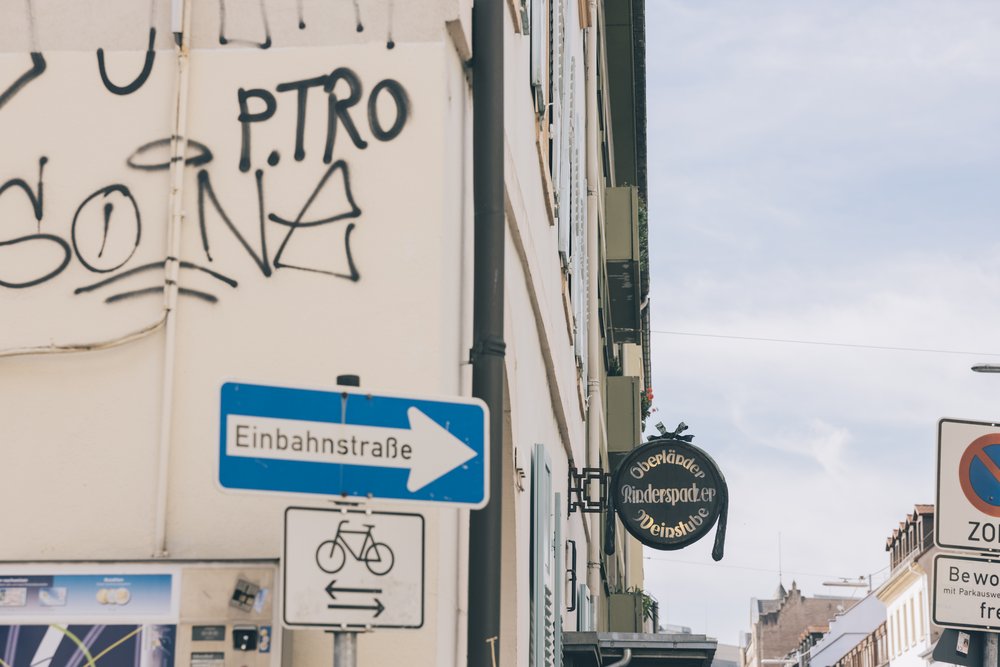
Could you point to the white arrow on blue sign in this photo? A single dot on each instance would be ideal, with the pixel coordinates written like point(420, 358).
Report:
point(350, 444)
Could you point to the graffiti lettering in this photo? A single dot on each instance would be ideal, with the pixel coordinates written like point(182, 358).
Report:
point(352, 272)
point(302, 88)
point(136, 84)
point(11, 249)
point(266, 44)
point(37, 68)
point(37, 201)
point(260, 257)
point(124, 245)
point(311, 223)
point(398, 94)
point(137, 159)
point(245, 118)
point(338, 112)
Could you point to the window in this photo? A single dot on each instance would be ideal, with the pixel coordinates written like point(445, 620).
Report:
point(920, 612)
point(894, 632)
point(913, 623)
point(899, 634)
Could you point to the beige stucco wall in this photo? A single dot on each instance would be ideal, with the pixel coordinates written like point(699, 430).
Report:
point(81, 432)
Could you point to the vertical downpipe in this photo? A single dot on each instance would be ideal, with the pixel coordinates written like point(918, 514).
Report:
point(595, 361)
point(485, 525)
point(180, 20)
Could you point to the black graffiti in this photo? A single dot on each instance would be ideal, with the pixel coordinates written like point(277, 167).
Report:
point(137, 83)
point(354, 212)
point(402, 104)
point(37, 201)
point(337, 175)
point(37, 68)
point(223, 39)
point(246, 118)
point(357, 17)
point(151, 267)
point(38, 209)
point(51, 238)
point(338, 112)
point(302, 97)
point(298, 223)
point(145, 268)
point(203, 155)
point(390, 43)
point(146, 291)
point(107, 210)
point(205, 189)
point(338, 109)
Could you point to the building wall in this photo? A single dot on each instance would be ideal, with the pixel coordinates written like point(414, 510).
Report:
point(848, 630)
point(83, 433)
point(776, 631)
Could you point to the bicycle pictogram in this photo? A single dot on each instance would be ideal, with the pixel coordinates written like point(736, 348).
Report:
point(331, 555)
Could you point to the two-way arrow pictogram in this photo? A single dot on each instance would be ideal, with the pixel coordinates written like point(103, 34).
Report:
point(332, 590)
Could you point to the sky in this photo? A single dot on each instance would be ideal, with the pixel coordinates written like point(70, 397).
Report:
point(824, 171)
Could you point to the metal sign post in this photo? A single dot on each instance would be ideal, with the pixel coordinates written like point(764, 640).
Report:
point(345, 649)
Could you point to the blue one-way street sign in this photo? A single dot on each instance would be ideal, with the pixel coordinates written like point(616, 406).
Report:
point(351, 444)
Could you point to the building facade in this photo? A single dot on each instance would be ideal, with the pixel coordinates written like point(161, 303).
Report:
point(281, 195)
point(847, 630)
point(910, 632)
point(778, 625)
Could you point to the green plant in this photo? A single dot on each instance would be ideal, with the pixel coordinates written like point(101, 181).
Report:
point(646, 404)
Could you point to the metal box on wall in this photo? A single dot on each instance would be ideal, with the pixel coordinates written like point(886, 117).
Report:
point(622, 247)
point(623, 417)
point(625, 613)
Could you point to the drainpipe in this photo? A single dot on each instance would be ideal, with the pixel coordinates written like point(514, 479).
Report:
point(181, 28)
point(485, 549)
point(626, 659)
point(595, 405)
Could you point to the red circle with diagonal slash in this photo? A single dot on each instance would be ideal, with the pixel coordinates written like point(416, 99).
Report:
point(977, 451)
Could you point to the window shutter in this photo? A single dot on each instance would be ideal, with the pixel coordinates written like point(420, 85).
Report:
point(541, 641)
point(577, 190)
point(584, 613)
point(564, 135)
point(558, 577)
point(539, 55)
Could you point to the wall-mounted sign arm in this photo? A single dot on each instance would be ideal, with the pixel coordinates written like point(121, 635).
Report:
point(580, 497)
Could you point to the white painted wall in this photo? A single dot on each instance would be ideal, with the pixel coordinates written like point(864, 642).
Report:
point(909, 624)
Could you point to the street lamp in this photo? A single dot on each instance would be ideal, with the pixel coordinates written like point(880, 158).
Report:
point(860, 583)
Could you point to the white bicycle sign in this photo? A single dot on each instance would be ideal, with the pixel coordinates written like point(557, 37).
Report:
point(331, 555)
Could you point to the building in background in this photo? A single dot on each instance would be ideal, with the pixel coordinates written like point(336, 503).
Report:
point(236, 193)
point(778, 624)
point(847, 630)
point(910, 632)
point(891, 625)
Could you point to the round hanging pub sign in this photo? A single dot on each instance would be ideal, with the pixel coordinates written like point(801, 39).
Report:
point(669, 493)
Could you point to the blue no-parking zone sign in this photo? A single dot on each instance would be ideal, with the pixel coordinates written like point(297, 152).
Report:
point(968, 497)
point(346, 443)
